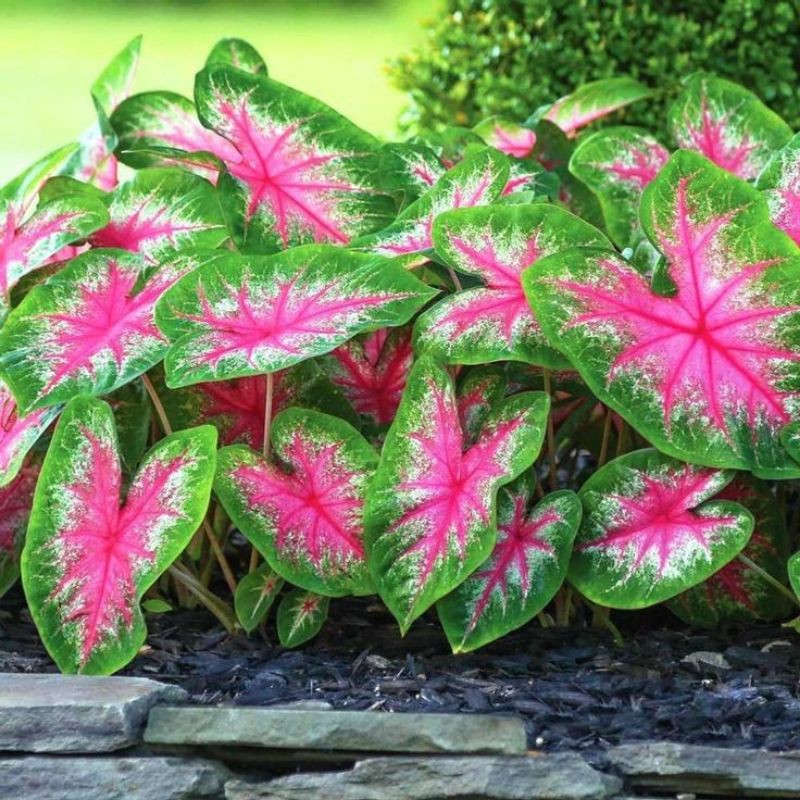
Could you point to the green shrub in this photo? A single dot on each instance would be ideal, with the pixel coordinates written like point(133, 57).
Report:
point(507, 57)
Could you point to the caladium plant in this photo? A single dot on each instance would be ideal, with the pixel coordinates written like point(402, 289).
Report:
point(91, 552)
point(417, 355)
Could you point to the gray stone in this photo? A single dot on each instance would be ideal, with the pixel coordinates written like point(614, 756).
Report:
point(669, 767)
point(352, 731)
point(77, 714)
point(110, 778)
point(556, 776)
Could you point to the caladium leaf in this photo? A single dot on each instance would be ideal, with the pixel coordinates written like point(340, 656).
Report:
point(18, 434)
point(737, 593)
point(161, 128)
point(27, 243)
point(593, 101)
point(727, 124)
point(236, 407)
point(780, 182)
point(114, 83)
point(254, 596)
point(430, 513)
point(650, 531)
point(16, 500)
point(372, 372)
point(495, 244)
point(413, 168)
point(522, 575)
point(237, 53)
point(478, 393)
point(301, 172)
point(478, 180)
point(89, 329)
point(617, 164)
point(248, 315)
point(301, 616)
point(507, 137)
point(708, 372)
point(305, 518)
point(162, 210)
point(22, 190)
point(90, 553)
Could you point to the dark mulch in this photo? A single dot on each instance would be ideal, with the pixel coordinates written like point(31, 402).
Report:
point(576, 689)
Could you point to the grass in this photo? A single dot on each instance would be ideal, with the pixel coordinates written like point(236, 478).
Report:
point(50, 53)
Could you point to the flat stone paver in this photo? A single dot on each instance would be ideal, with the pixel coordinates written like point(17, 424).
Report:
point(110, 778)
point(556, 776)
point(353, 731)
point(76, 714)
point(670, 767)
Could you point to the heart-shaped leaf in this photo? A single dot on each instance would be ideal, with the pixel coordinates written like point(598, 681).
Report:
point(477, 181)
point(412, 168)
point(649, 530)
point(507, 137)
point(479, 391)
point(89, 329)
point(709, 371)
point(306, 518)
point(22, 190)
point(255, 594)
point(239, 54)
point(372, 372)
point(593, 101)
point(248, 315)
point(617, 164)
point(301, 172)
point(780, 182)
point(727, 124)
point(18, 434)
point(430, 513)
point(495, 244)
point(162, 210)
point(526, 568)
point(16, 500)
point(301, 616)
point(738, 593)
point(90, 552)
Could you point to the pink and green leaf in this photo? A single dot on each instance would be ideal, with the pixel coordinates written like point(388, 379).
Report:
point(239, 54)
point(593, 101)
point(507, 137)
point(527, 567)
point(18, 434)
point(372, 371)
point(301, 616)
point(22, 190)
point(300, 172)
point(16, 499)
point(478, 180)
point(738, 593)
point(162, 210)
point(412, 168)
point(430, 513)
point(708, 371)
point(478, 392)
point(249, 315)
point(727, 124)
point(650, 530)
point(92, 550)
point(89, 329)
point(304, 510)
point(617, 164)
point(496, 244)
point(780, 182)
point(254, 596)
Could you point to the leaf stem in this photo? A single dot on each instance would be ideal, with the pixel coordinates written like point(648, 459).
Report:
point(227, 572)
point(551, 435)
point(268, 398)
point(770, 579)
point(221, 610)
point(606, 439)
point(454, 278)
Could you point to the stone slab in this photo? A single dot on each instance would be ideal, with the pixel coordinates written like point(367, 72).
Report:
point(352, 731)
point(76, 714)
point(557, 776)
point(670, 767)
point(110, 778)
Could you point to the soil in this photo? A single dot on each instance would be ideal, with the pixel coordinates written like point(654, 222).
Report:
point(575, 688)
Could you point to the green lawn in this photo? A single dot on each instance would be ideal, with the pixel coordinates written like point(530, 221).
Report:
point(50, 55)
